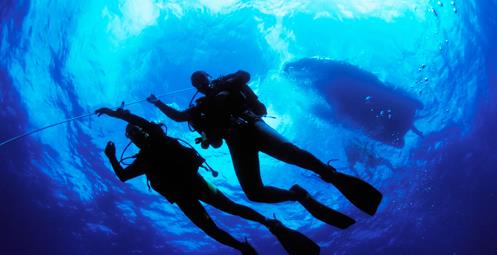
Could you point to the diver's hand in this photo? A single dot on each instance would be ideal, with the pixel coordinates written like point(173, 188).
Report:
point(110, 149)
point(152, 99)
point(203, 141)
point(104, 110)
point(121, 112)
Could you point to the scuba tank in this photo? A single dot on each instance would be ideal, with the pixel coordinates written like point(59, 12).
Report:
point(232, 103)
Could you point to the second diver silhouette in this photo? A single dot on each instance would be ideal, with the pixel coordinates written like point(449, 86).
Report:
point(230, 110)
point(172, 169)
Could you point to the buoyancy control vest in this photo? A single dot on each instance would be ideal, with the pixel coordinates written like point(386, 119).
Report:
point(242, 96)
point(230, 103)
point(171, 167)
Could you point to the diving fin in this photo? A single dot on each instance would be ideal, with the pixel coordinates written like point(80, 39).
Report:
point(320, 211)
point(294, 242)
point(358, 192)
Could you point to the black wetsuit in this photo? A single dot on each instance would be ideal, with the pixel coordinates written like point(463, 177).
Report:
point(171, 169)
point(224, 113)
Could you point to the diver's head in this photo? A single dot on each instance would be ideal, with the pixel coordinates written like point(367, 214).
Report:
point(200, 80)
point(137, 135)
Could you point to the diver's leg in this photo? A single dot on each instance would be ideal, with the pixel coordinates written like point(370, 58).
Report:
point(293, 241)
point(245, 159)
point(272, 143)
point(211, 195)
point(197, 214)
point(357, 191)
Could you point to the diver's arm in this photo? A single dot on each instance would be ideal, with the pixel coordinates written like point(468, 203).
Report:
point(178, 116)
point(130, 172)
point(128, 117)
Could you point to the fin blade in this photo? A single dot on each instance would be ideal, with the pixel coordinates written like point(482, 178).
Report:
point(358, 192)
point(326, 214)
point(294, 242)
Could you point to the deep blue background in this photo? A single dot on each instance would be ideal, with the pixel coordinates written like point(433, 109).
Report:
point(59, 60)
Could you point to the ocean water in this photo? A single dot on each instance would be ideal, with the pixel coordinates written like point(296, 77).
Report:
point(413, 112)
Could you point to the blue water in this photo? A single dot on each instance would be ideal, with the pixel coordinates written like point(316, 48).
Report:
point(60, 59)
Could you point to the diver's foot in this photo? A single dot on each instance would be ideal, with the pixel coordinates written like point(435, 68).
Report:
point(329, 173)
point(247, 249)
point(300, 193)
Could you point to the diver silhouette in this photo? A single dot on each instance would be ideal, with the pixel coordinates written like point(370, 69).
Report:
point(364, 153)
point(172, 170)
point(230, 110)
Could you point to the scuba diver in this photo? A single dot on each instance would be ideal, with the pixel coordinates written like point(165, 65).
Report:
point(172, 170)
point(364, 153)
point(230, 110)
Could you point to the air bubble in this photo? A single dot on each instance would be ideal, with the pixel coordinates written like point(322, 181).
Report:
point(368, 99)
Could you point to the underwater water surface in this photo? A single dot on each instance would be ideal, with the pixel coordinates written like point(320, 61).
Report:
point(400, 93)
